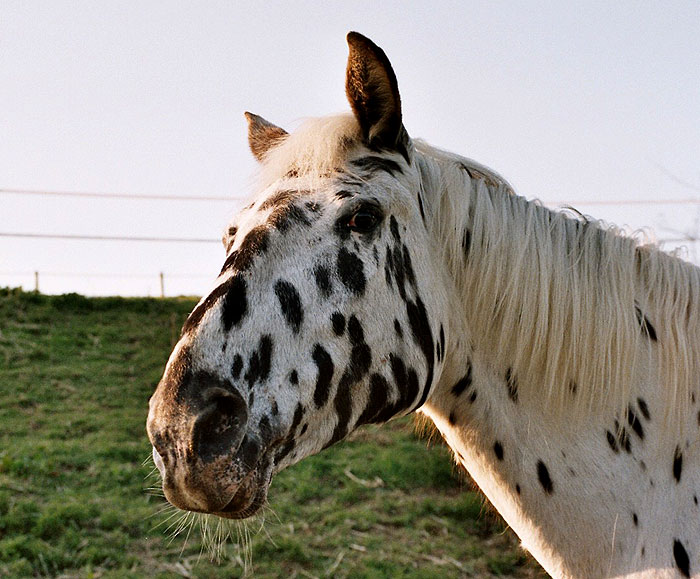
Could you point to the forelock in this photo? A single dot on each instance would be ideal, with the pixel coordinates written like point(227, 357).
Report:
point(319, 148)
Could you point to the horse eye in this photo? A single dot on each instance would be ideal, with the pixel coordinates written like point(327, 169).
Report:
point(363, 221)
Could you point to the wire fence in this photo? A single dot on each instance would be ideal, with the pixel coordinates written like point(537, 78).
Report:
point(37, 277)
point(33, 278)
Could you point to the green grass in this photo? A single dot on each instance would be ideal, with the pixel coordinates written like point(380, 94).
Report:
point(75, 378)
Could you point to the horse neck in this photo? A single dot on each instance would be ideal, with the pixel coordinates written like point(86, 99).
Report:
point(614, 474)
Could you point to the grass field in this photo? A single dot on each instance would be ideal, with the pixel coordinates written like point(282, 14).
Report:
point(75, 378)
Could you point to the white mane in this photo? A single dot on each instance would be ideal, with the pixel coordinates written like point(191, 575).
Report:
point(561, 298)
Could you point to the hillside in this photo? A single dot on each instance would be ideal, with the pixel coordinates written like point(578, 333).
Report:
point(75, 378)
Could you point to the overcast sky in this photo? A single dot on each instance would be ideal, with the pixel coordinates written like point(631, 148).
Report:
point(571, 102)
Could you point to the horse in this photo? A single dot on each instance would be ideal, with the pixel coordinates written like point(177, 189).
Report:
point(374, 275)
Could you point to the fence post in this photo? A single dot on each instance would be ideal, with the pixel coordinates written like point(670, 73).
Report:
point(162, 285)
point(36, 282)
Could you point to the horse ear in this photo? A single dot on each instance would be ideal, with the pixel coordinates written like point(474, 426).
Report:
point(262, 135)
point(371, 88)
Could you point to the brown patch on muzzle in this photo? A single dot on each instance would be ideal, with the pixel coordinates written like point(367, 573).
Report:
point(197, 423)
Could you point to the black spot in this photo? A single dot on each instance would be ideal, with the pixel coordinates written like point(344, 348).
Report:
point(254, 244)
point(387, 273)
point(635, 519)
point(360, 360)
point(512, 384)
point(287, 215)
point(303, 429)
point(400, 374)
point(466, 241)
point(235, 303)
point(343, 194)
point(228, 263)
point(372, 163)
point(357, 368)
point(544, 478)
point(260, 362)
point(237, 366)
point(442, 339)
point(376, 401)
point(284, 450)
point(677, 464)
point(412, 389)
point(323, 280)
point(452, 418)
point(635, 423)
point(394, 266)
point(420, 328)
point(324, 362)
point(265, 356)
point(313, 206)
point(397, 328)
point(420, 206)
point(498, 450)
point(351, 271)
point(355, 331)
point(294, 377)
point(338, 321)
point(644, 322)
point(290, 302)
point(408, 267)
point(343, 409)
point(394, 227)
point(463, 383)
point(472, 398)
point(275, 410)
point(643, 408)
point(623, 438)
point(517, 488)
point(612, 441)
point(398, 370)
point(681, 557)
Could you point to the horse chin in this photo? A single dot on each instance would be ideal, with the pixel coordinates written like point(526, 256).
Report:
point(250, 496)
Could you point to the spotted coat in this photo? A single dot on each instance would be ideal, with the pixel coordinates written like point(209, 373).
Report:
point(335, 307)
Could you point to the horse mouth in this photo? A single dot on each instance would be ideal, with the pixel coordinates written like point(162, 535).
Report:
point(249, 498)
point(216, 488)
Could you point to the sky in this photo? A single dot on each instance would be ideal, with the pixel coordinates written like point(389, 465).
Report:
point(590, 104)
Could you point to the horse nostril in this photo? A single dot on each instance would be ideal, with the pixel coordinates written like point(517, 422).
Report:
point(220, 427)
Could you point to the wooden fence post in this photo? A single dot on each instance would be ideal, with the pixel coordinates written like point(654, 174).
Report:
point(36, 281)
point(162, 285)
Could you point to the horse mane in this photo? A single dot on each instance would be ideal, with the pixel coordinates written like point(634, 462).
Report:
point(575, 306)
point(567, 300)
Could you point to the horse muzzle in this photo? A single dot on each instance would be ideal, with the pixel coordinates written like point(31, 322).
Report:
point(201, 446)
